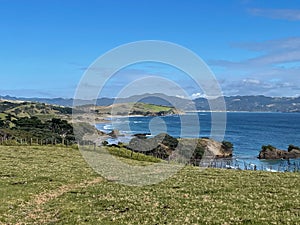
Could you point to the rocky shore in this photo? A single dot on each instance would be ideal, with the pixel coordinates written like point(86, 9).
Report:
point(167, 147)
point(271, 152)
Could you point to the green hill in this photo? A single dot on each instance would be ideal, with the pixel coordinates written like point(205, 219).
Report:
point(28, 109)
point(27, 120)
point(46, 111)
point(54, 185)
point(139, 108)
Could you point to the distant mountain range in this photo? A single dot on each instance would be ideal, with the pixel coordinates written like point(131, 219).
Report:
point(258, 103)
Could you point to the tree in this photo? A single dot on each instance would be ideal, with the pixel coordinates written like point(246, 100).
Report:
point(2, 124)
point(60, 126)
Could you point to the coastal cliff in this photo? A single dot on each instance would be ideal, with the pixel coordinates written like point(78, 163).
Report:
point(165, 146)
point(270, 152)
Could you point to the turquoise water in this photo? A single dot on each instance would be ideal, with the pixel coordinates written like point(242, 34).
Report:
point(247, 131)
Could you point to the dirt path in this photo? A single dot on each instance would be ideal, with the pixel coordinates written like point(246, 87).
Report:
point(34, 208)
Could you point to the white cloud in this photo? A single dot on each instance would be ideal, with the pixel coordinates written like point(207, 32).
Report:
point(251, 81)
point(285, 14)
point(275, 71)
point(181, 96)
point(198, 95)
point(274, 52)
point(273, 87)
point(292, 43)
point(201, 95)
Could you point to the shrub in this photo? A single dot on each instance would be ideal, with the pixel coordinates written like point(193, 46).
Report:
point(227, 144)
point(104, 143)
point(266, 147)
point(125, 153)
point(291, 147)
point(11, 143)
point(74, 146)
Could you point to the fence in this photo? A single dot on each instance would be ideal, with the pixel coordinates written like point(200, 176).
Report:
point(227, 163)
point(34, 141)
point(283, 166)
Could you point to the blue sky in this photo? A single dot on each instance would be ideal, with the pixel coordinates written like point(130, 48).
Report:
point(253, 47)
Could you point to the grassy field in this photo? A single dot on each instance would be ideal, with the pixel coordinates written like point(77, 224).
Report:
point(2, 116)
point(52, 185)
point(138, 109)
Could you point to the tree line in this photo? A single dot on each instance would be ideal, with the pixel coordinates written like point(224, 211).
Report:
point(32, 128)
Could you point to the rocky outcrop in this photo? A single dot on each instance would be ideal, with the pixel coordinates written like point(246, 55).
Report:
point(217, 149)
point(164, 145)
point(159, 113)
point(115, 133)
point(160, 146)
point(270, 152)
point(141, 135)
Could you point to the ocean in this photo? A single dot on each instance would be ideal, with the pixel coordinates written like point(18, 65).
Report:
point(248, 131)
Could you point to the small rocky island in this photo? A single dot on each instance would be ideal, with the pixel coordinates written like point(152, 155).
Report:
point(271, 152)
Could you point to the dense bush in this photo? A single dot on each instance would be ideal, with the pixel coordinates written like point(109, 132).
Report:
point(291, 147)
point(33, 128)
point(266, 147)
point(227, 144)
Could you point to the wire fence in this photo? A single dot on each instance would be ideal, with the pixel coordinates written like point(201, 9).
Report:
point(235, 164)
point(221, 163)
point(35, 141)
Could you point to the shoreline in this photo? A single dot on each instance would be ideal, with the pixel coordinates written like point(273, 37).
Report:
point(240, 154)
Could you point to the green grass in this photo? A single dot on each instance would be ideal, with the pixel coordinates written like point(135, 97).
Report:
point(28, 109)
point(124, 153)
point(138, 108)
point(51, 185)
point(45, 117)
point(151, 107)
point(2, 116)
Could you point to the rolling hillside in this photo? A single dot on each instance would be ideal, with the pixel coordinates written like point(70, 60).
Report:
point(258, 103)
point(54, 185)
point(29, 109)
point(136, 109)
